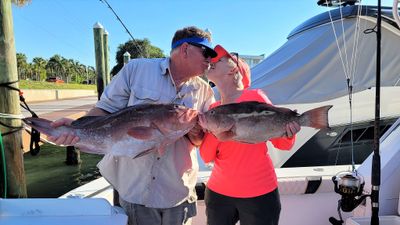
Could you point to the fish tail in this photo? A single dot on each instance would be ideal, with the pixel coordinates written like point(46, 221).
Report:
point(316, 118)
point(40, 124)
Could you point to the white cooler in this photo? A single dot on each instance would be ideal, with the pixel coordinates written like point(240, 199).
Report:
point(36, 211)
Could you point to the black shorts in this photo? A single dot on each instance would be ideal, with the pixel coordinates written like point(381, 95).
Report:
point(224, 210)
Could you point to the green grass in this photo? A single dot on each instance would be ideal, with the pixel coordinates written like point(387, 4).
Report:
point(28, 84)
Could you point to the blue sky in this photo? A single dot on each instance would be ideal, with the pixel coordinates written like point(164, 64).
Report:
point(251, 27)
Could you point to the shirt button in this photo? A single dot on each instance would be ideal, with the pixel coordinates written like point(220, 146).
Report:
point(154, 178)
point(158, 158)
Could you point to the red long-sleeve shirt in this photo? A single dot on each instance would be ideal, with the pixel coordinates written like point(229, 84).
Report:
point(242, 170)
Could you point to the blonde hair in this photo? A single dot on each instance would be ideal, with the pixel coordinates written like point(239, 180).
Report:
point(237, 77)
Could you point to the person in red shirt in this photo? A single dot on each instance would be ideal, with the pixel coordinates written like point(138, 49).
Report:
point(243, 185)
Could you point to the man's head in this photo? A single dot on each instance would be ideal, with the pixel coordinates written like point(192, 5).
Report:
point(194, 36)
point(192, 46)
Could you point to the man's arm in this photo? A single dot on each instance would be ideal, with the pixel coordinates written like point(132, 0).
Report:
point(68, 139)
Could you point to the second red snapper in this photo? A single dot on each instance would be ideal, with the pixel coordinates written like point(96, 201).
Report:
point(255, 122)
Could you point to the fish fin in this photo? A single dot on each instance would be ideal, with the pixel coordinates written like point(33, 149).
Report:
point(142, 133)
point(145, 152)
point(316, 118)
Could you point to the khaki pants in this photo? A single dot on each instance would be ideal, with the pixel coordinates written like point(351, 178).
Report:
point(141, 215)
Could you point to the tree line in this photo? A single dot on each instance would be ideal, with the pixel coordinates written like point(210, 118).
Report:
point(40, 69)
point(72, 71)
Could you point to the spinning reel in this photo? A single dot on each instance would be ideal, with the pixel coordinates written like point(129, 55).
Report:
point(350, 186)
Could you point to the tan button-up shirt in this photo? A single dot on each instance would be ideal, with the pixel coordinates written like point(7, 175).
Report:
point(153, 180)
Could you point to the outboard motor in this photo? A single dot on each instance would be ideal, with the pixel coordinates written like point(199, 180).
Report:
point(350, 186)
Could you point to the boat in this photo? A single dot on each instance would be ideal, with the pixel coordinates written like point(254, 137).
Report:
point(309, 68)
point(303, 64)
point(305, 173)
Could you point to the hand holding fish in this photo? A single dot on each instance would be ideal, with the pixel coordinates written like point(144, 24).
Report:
point(292, 128)
point(65, 139)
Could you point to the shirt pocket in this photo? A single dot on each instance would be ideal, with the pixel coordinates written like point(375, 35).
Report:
point(145, 96)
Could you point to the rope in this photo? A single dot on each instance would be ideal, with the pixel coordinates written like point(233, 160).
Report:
point(337, 43)
point(11, 116)
point(354, 55)
point(344, 37)
point(349, 68)
point(34, 146)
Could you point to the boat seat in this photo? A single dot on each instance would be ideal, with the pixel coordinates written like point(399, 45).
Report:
point(383, 220)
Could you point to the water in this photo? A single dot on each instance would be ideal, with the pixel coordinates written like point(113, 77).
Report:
point(47, 175)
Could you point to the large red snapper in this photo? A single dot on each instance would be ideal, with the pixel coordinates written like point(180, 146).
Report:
point(255, 122)
point(132, 132)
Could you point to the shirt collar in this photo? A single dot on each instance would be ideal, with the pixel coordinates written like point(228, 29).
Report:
point(165, 66)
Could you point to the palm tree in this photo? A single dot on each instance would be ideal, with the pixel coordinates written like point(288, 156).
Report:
point(39, 67)
point(80, 72)
point(54, 66)
point(22, 66)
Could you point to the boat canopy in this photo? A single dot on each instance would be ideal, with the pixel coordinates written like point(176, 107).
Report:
point(308, 67)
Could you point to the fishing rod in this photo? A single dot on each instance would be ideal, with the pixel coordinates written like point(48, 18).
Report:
point(350, 185)
point(126, 29)
point(376, 159)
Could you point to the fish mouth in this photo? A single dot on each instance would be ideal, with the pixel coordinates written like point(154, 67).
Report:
point(188, 116)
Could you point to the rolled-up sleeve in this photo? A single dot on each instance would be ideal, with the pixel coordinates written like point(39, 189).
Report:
point(283, 143)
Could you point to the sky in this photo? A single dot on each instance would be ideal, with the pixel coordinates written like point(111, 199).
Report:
point(44, 28)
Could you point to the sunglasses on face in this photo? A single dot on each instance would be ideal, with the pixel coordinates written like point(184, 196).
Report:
point(204, 50)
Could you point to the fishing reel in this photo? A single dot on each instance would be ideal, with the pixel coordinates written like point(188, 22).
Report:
point(350, 186)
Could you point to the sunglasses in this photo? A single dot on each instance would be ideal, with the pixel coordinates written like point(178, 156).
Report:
point(204, 50)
